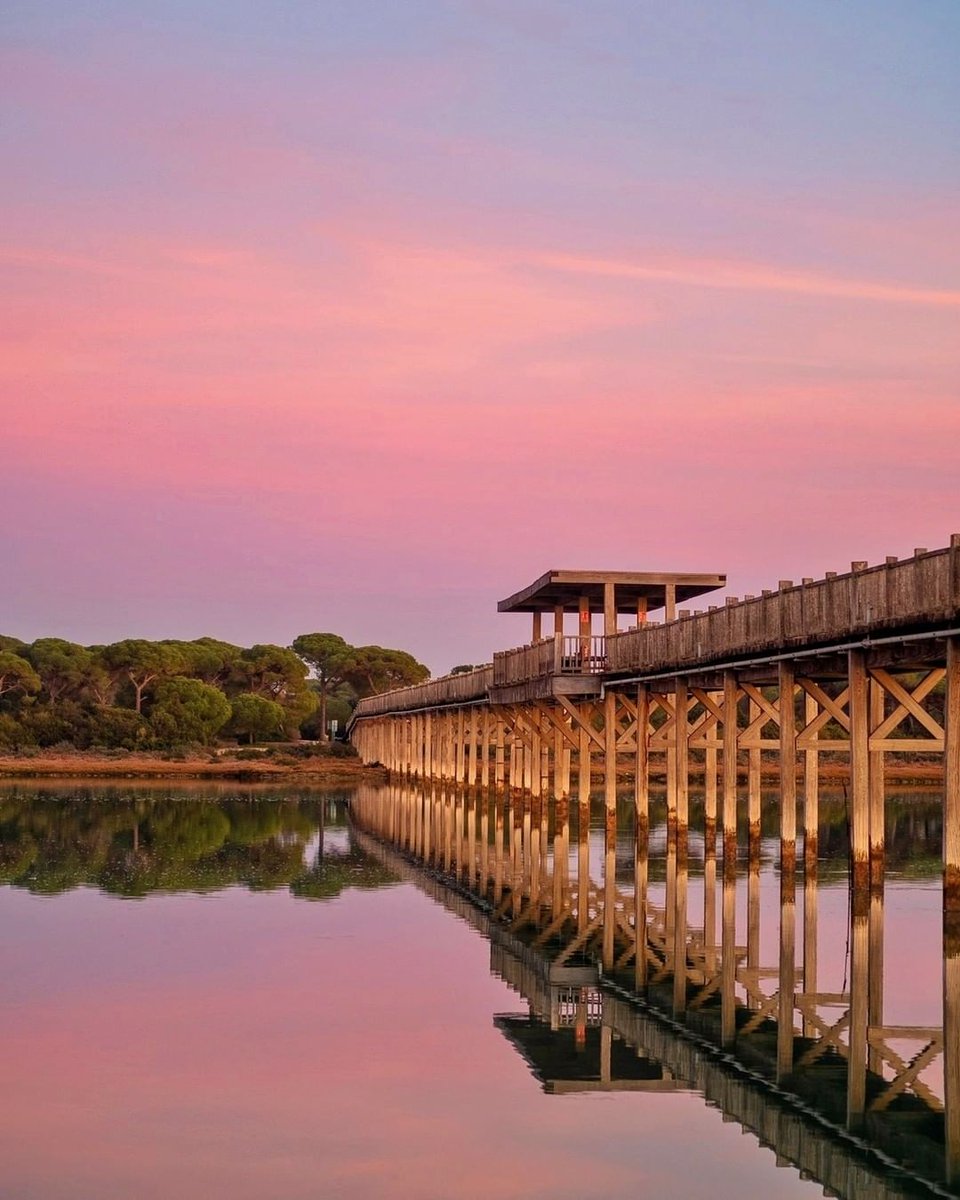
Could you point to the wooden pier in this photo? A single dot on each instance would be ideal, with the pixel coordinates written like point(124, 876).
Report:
point(863, 665)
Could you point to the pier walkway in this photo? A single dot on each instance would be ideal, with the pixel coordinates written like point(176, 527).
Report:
point(860, 665)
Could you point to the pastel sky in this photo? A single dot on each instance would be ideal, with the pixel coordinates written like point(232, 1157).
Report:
point(360, 316)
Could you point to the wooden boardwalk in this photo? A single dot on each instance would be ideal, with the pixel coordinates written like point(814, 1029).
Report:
point(864, 664)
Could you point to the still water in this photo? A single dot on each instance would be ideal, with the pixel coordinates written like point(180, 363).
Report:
point(216, 992)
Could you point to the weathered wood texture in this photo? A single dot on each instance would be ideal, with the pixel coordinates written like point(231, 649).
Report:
point(896, 596)
point(448, 689)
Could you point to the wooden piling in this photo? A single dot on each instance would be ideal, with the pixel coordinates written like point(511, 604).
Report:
point(788, 769)
point(951, 795)
point(859, 770)
point(730, 704)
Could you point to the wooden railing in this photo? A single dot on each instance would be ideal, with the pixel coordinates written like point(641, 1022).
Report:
point(526, 662)
point(447, 689)
point(557, 655)
point(582, 655)
point(918, 592)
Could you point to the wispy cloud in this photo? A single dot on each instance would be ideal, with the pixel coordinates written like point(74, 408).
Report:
point(746, 276)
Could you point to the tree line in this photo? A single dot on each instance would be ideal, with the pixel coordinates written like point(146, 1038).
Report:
point(138, 694)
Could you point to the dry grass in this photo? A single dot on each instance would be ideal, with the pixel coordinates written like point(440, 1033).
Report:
point(154, 766)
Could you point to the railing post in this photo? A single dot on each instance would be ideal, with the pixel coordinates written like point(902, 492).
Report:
point(557, 653)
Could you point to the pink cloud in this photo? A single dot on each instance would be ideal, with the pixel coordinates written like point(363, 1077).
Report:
point(744, 276)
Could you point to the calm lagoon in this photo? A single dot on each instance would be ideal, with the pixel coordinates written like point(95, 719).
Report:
point(215, 992)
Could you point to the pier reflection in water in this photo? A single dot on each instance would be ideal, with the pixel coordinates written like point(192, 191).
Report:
point(770, 986)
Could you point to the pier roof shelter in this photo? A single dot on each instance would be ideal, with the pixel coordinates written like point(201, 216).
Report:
point(609, 592)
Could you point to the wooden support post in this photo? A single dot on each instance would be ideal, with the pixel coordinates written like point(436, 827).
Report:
point(485, 720)
point(537, 626)
point(730, 699)
point(561, 767)
point(859, 770)
point(561, 818)
point(641, 610)
point(536, 765)
point(609, 609)
point(877, 786)
point(710, 797)
point(670, 602)
point(753, 784)
point(951, 796)
point(558, 620)
point(473, 738)
point(951, 913)
point(811, 794)
point(610, 826)
point(544, 842)
point(531, 841)
point(584, 768)
point(583, 832)
point(461, 759)
point(671, 780)
point(499, 761)
point(641, 775)
point(682, 752)
point(788, 770)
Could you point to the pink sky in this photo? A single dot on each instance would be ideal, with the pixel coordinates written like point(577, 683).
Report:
point(336, 322)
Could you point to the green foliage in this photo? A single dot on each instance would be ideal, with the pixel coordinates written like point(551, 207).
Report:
point(326, 654)
point(138, 694)
point(373, 669)
point(142, 662)
point(187, 710)
point(255, 717)
point(13, 736)
point(63, 667)
point(208, 659)
point(16, 674)
point(117, 728)
point(271, 671)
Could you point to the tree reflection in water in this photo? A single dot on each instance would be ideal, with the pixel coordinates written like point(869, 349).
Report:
point(131, 842)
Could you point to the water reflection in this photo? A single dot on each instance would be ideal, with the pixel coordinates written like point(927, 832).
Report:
point(762, 983)
point(134, 842)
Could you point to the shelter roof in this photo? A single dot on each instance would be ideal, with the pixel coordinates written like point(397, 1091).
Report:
point(564, 588)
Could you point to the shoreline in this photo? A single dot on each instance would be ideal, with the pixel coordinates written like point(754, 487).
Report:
point(339, 770)
point(145, 766)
